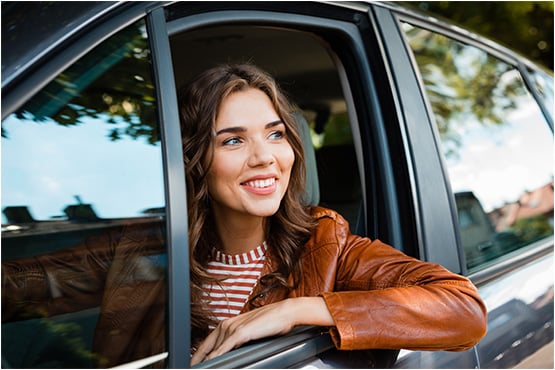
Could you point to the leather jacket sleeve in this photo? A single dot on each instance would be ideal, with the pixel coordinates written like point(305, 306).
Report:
point(384, 299)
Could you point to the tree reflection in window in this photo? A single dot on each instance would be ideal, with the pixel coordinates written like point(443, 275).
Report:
point(496, 142)
point(110, 81)
point(76, 137)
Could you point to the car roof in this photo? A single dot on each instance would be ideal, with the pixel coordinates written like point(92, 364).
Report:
point(31, 29)
point(28, 40)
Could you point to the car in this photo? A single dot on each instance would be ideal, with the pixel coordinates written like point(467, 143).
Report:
point(422, 134)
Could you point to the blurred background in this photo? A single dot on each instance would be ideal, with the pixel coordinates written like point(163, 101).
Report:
point(523, 26)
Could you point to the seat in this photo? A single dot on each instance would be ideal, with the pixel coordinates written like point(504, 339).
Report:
point(339, 182)
point(332, 177)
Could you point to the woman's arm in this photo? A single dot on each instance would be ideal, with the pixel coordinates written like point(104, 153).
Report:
point(371, 295)
point(273, 319)
point(386, 299)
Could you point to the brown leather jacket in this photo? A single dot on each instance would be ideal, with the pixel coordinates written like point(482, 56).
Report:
point(378, 297)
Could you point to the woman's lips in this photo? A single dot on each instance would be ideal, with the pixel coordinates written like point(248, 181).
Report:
point(260, 186)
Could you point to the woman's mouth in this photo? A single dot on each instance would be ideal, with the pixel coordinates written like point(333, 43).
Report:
point(260, 186)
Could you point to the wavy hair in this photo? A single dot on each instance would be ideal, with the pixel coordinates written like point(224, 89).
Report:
point(287, 230)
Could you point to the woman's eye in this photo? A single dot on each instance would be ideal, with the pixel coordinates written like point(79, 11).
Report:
point(276, 135)
point(231, 141)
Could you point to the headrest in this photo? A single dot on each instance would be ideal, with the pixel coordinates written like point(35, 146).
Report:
point(312, 196)
point(340, 181)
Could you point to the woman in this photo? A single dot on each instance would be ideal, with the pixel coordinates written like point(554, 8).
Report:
point(263, 263)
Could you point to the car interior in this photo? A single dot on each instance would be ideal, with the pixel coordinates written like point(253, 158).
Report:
point(303, 64)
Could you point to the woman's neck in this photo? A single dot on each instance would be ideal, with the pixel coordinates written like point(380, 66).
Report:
point(240, 234)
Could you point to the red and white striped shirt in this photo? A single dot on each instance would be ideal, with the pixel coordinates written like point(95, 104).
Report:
point(227, 297)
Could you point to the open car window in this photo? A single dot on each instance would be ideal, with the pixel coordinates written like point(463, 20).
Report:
point(304, 67)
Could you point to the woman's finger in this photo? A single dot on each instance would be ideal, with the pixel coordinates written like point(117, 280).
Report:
point(205, 347)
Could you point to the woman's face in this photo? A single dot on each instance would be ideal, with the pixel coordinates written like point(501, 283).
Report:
point(253, 159)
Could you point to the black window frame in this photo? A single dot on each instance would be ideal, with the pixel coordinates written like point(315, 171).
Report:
point(434, 203)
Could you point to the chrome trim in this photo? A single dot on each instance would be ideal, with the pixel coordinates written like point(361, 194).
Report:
point(453, 30)
point(458, 34)
point(303, 342)
point(520, 258)
point(352, 5)
point(144, 362)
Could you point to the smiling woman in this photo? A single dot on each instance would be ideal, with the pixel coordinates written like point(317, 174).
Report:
point(252, 161)
point(301, 266)
point(388, 147)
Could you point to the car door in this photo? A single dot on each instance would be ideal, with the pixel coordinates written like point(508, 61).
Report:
point(493, 131)
point(85, 190)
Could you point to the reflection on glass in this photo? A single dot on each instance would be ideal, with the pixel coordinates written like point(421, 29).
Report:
point(543, 82)
point(83, 246)
point(497, 145)
point(88, 142)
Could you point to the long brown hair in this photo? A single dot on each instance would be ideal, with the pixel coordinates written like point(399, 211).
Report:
point(288, 230)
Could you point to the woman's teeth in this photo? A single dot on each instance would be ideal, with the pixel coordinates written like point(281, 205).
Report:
point(261, 183)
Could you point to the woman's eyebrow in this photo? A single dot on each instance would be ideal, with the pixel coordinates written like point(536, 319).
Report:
point(236, 129)
point(273, 123)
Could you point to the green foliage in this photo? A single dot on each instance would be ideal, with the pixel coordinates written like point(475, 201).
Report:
point(464, 84)
point(523, 26)
point(533, 228)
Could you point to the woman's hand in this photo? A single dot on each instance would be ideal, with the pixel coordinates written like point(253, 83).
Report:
point(273, 319)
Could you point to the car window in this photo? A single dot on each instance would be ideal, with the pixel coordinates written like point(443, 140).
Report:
point(83, 213)
point(496, 143)
point(304, 69)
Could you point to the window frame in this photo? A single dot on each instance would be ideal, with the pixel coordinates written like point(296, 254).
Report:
point(526, 69)
point(178, 324)
point(434, 203)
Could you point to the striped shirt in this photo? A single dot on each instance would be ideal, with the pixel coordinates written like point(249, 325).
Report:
point(239, 274)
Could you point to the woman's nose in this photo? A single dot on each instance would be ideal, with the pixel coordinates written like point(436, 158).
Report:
point(260, 154)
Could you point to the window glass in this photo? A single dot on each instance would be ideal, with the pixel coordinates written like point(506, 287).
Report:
point(496, 142)
point(83, 247)
point(544, 85)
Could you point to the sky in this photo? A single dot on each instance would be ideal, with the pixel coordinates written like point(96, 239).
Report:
point(500, 163)
point(45, 165)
